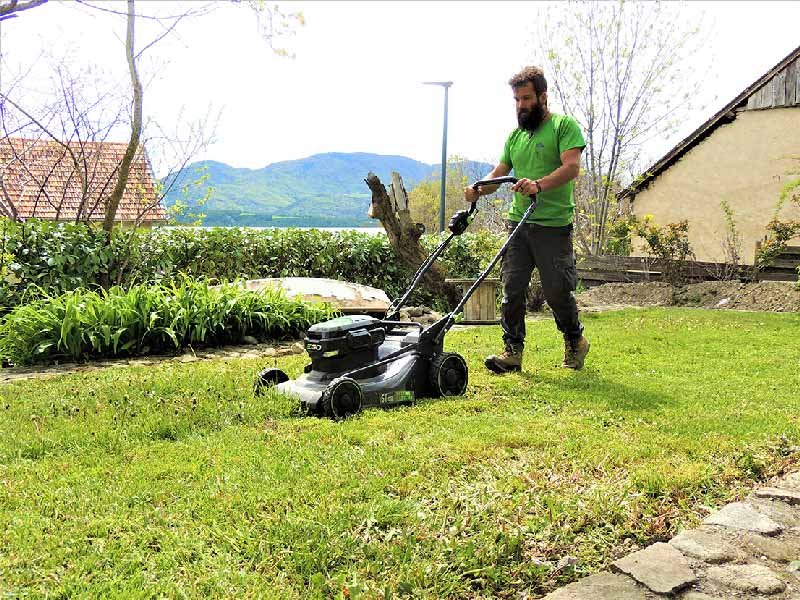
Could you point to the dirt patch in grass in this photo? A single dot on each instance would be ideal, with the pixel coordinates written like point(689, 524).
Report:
point(772, 296)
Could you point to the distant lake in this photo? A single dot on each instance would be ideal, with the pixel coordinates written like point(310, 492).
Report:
point(369, 230)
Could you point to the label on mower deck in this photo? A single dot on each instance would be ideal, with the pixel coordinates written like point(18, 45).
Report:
point(395, 397)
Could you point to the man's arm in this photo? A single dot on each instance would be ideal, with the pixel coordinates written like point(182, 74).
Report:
point(501, 170)
point(569, 170)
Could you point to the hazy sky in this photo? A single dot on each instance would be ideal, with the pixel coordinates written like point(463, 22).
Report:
point(355, 84)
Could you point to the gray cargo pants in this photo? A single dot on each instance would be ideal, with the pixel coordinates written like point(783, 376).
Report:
point(550, 250)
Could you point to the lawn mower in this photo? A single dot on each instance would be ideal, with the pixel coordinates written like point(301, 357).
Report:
point(359, 361)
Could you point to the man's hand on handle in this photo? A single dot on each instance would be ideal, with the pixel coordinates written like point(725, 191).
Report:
point(471, 195)
point(527, 187)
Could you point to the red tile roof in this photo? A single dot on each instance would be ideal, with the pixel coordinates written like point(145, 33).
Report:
point(41, 180)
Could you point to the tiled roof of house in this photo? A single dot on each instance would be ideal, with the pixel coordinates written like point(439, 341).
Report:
point(41, 180)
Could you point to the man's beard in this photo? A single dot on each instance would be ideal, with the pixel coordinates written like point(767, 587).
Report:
point(529, 120)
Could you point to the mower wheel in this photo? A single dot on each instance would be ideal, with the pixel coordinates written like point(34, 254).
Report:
point(448, 375)
point(342, 398)
point(267, 379)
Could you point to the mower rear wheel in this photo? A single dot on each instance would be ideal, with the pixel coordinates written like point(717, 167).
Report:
point(342, 398)
point(448, 375)
point(267, 379)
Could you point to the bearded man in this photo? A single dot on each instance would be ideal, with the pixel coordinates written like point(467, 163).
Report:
point(544, 152)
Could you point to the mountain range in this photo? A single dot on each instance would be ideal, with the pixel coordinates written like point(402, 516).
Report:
point(317, 191)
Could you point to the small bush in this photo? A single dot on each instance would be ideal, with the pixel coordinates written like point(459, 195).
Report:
point(84, 323)
point(669, 243)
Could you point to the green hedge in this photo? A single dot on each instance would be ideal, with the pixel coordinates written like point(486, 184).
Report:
point(149, 318)
point(44, 258)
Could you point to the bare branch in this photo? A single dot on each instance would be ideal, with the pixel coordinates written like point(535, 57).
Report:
point(9, 8)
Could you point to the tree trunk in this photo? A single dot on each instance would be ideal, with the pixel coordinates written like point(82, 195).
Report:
point(136, 128)
point(404, 235)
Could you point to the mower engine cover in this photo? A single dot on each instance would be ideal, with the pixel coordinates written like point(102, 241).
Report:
point(344, 343)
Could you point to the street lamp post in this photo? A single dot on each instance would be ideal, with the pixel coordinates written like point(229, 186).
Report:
point(446, 85)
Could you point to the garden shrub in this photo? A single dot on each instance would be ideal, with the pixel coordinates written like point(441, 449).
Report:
point(149, 318)
point(669, 243)
point(44, 258)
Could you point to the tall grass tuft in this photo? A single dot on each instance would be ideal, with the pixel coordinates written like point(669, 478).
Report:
point(88, 324)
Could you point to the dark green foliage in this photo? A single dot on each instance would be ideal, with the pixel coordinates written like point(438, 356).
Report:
point(149, 318)
point(41, 258)
point(54, 257)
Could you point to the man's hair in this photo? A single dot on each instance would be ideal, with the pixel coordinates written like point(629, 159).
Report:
point(532, 75)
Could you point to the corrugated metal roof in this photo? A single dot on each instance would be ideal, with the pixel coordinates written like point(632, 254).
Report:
point(42, 181)
point(726, 115)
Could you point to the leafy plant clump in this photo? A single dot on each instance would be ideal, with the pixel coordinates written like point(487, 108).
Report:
point(85, 323)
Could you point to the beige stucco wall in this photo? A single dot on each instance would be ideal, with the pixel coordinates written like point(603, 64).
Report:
point(746, 162)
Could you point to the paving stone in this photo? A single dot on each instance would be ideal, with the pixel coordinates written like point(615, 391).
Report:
point(660, 567)
point(784, 515)
point(698, 596)
point(784, 495)
point(780, 550)
point(739, 515)
point(747, 578)
point(603, 586)
point(703, 545)
point(790, 481)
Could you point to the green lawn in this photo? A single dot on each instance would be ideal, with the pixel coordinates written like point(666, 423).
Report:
point(175, 481)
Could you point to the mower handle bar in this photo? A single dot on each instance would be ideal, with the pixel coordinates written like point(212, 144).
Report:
point(495, 181)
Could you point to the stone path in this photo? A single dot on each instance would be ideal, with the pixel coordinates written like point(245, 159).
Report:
point(747, 550)
point(252, 350)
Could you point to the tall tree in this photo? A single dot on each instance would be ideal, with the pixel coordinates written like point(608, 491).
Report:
point(625, 71)
point(136, 125)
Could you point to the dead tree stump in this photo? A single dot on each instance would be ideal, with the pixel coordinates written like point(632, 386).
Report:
point(391, 209)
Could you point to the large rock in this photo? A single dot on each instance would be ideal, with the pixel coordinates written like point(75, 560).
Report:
point(747, 578)
point(784, 549)
point(739, 515)
point(660, 567)
point(346, 296)
point(603, 586)
point(703, 545)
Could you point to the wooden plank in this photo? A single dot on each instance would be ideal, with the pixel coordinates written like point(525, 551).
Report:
point(791, 83)
point(790, 251)
point(759, 95)
point(752, 101)
point(780, 89)
point(787, 263)
point(487, 303)
point(786, 276)
point(769, 99)
point(797, 81)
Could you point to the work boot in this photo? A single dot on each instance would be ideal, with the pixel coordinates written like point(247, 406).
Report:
point(509, 360)
point(575, 352)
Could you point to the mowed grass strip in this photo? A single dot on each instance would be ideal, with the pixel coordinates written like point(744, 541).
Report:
point(176, 481)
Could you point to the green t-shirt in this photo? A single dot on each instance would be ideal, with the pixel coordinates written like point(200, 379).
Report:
point(536, 156)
